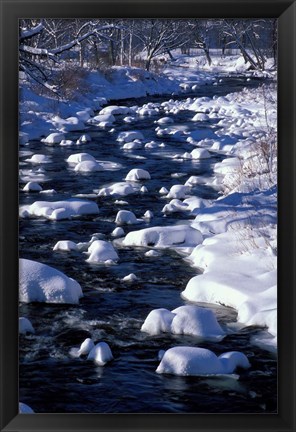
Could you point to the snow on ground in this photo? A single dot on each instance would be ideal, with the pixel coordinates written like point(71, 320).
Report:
point(41, 283)
point(188, 361)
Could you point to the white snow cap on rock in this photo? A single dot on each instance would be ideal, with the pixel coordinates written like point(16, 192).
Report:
point(125, 217)
point(129, 136)
point(165, 120)
point(25, 409)
point(86, 347)
point(65, 245)
point(137, 174)
point(130, 278)
point(25, 326)
point(118, 232)
point(162, 237)
point(39, 159)
point(88, 166)
point(194, 361)
point(32, 187)
point(115, 110)
point(121, 189)
point(80, 157)
point(100, 354)
point(178, 191)
point(101, 251)
point(54, 138)
point(41, 283)
point(58, 210)
point(188, 319)
point(199, 153)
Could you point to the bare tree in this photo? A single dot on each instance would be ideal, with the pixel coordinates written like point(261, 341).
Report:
point(161, 36)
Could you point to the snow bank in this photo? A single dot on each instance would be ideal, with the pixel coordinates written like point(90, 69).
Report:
point(101, 251)
point(41, 283)
point(192, 361)
point(189, 320)
point(162, 237)
point(58, 210)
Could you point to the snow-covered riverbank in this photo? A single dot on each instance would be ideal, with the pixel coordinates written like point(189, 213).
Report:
point(231, 240)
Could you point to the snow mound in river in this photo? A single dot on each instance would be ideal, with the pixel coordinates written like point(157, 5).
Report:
point(137, 174)
point(190, 361)
point(100, 354)
point(188, 319)
point(162, 237)
point(58, 210)
point(101, 251)
point(41, 283)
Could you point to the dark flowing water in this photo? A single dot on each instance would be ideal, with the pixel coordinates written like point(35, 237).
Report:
point(113, 310)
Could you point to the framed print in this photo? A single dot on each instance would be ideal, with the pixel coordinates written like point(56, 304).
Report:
point(148, 215)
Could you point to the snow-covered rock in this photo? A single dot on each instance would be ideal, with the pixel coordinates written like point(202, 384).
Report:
point(133, 145)
point(165, 120)
point(129, 136)
point(88, 166)
point(130, 278)
point(125, 217)
point(32, 187)
point(162, 237)
point(25, 326)
point(200, 153)
point(101, 251)
point(65, 245)
point(200, 117)
point(188, 319)
point(39, 159)
point(194, 361)
point(137, 174)
point(86, 347)
point(58, 210)
point(25, 409)
point(54, 138)
point(178, 191)
point(83, 139)
point(118, 232)
point(41, 283)
point(121, 189)
point(100, 354)
point(80, 157)
point(115, 110)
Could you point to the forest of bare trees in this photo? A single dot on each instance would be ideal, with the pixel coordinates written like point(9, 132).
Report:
point(99, 44)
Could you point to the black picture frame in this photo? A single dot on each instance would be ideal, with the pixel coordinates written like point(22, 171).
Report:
point(11, 11)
